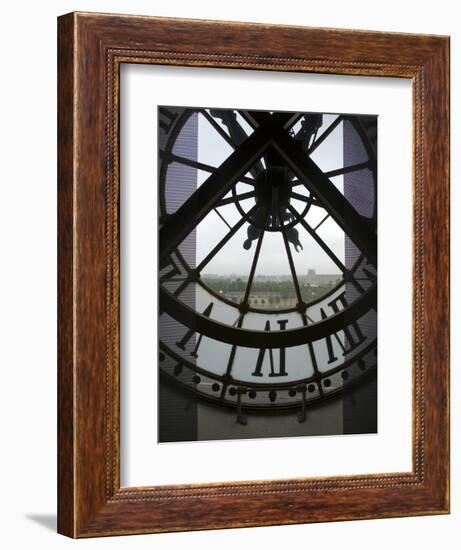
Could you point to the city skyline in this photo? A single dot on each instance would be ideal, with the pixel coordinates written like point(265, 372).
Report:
point(235, 274)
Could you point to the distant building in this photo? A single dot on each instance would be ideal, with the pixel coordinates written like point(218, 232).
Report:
point(316, 279)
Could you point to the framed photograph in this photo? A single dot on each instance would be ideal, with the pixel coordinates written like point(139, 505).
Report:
point(253, 275)
point(243, 266)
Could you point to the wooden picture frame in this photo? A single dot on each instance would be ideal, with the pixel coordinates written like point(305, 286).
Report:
point(91, 49)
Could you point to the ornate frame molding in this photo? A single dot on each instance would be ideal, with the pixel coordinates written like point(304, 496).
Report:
point(91, 49)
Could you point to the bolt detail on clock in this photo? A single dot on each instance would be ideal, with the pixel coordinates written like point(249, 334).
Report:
point(267, 277)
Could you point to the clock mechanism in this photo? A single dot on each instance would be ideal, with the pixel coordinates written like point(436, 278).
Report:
point(267, 257)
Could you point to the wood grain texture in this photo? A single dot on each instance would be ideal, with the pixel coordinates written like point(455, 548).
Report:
point(91, 48)
point(66, 471)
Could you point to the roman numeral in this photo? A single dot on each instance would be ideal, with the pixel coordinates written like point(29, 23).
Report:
point(353, 335)
point(176, 270)
point(190, 333)
point(262, 352)
point(166, 119)
point(366, 273)
point(172, 272)
point(369, 275)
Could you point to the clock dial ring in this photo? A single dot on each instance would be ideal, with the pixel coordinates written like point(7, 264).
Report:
point(313, 386)
point(202, 324)
point(165, 349)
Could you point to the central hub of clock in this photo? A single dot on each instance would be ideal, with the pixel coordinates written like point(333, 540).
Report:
point(273, 187)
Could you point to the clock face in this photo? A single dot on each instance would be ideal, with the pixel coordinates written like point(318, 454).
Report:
point(267, 262)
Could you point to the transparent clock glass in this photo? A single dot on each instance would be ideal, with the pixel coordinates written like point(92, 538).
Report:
point(267, 280)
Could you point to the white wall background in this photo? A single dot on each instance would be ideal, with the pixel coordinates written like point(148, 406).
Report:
point(28, 273)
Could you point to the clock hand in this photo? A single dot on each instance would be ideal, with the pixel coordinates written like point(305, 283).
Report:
point(215, 330)
point(293, 238)
point(318, 141)
point(254, 231)
point(317, 239)
point(290, 261)
point(225, 239)
point(308, 131)
point(253, 265)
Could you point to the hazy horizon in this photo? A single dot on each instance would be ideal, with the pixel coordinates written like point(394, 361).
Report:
point(278, 276)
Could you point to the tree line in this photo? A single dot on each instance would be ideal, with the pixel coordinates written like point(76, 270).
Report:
point(284, 288)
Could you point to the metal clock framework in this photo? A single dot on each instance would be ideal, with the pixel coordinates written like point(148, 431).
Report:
point(265, 358)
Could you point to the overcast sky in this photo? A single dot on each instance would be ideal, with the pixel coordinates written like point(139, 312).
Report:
point(233, 258)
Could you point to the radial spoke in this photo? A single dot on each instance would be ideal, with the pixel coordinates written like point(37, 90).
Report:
point(223, 218)
point(318, 239)
point(322, 221)
point(314, 137)
point(255, 262)
point(171, 157)
point(225, 239)
point(325, 134)
point(218, 128)
point(347, 169)
point(300, 197)
point(308, 199)
point(246, 115)
point(236, 198)
point(290, 259)
point(236, 132)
